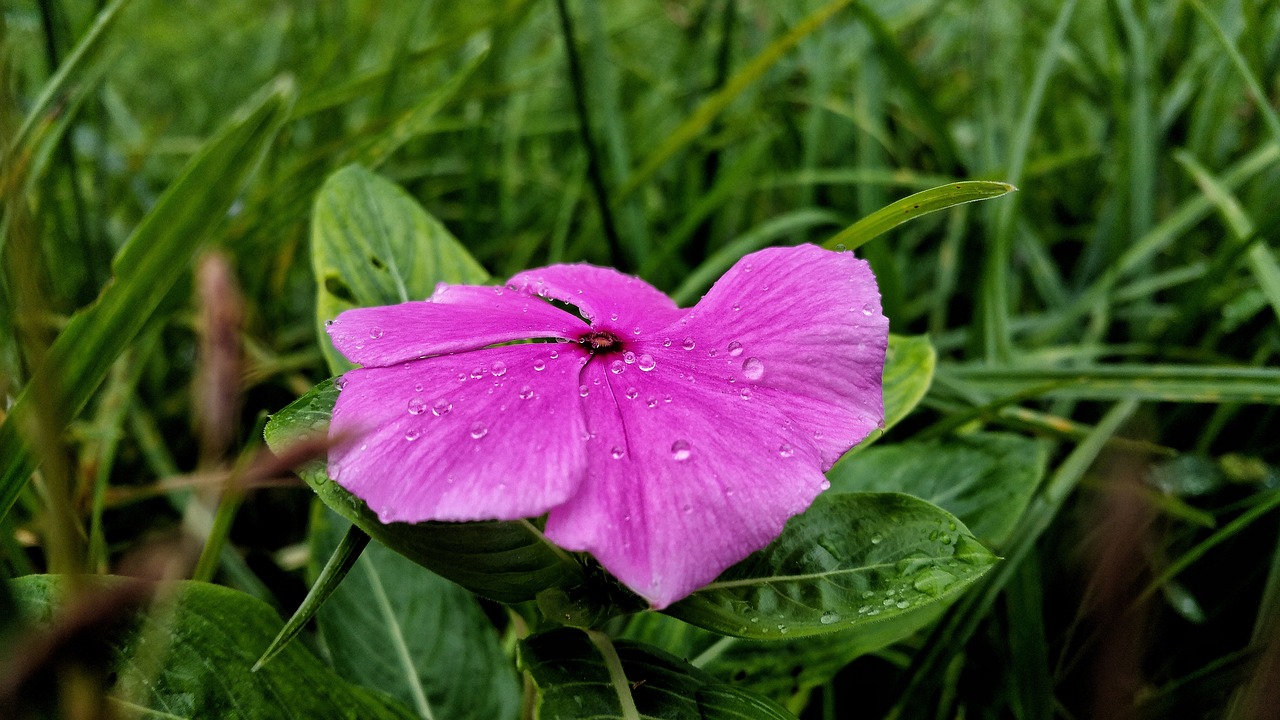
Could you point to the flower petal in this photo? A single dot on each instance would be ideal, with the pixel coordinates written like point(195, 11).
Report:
point(802, 329)
point(610, 300)
point(683, 480)
point(456, 318)
point(492, 434)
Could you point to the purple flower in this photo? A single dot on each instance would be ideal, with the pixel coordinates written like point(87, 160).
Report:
point(668, 443)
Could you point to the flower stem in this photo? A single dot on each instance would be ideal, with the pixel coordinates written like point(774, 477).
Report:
point(616, 675)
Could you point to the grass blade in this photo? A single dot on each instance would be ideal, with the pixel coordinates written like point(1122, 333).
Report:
point(914, 206)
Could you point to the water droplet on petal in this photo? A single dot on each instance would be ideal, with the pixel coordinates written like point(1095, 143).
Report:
point(632, 393)
point(629, 357)
point(713, 352)
point(867, 309)
point(441, 407)
point(666, 399)
point(617, 367)
point(652, 402)
point(613, 316)
point(375, 333)
point(687, 344)
point(417, 387)
point(498, 368)
point(635, 331)
point(666, 343)
point(680, 450)
point(554, 354)
point(539, 366)
point(736, 307)
point(479, 430)
point(745, 393)
point(477, 373)
point(752, 368)
point(735, 348)
point(840, 247)
point(417, 406)
point(646, 362)
point(616, 453)
point(526, 392)
point(785, 450)
point(583, 391)
point(411, 434)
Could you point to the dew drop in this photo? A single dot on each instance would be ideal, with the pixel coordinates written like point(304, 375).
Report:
point(666, 399)
point(829, 617)
point(632, 393)
point(840, 247)
point(341, 383)
point(617, 367)
point(441, 407)
point(635, 331)
point(616, 453)
point(736, 307)
point(554, 354)
point(477, 373)
point(752, 368)
point(411, 434)
point(583, 391)
point(417, 406)
point(651, 402)
point(417, 387)
point(867, 310)
point(785, 450)
point(735, 348)
point(539, 366)
point(613, 317)
point(526, 392)
point(375, 333)
point(902, 604)
point(462, 377)
point(479, 430)
point(745, 393)
point(680, 450)
point(498, 368)
point(687, 344)
point(666, 343)
point(713, 352)
point(876, 539)
point(646, 362)
point(629, 357)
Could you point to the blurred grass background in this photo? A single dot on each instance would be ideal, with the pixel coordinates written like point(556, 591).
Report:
point(669, 138)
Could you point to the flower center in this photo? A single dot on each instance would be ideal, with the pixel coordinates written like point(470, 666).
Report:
point(600, 341)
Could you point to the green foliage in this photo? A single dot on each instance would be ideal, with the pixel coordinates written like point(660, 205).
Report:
point(412, 634)
point(579, 676)
point(849, 560)
point(372, 244)
point(192, 659)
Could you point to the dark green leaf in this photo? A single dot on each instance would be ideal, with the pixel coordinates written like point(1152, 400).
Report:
point(985, 479)
point(848, 561)
point(395, 627)
point(191, 659)
point(158, 252)
point(908, 372)
point(372, 244)
point(573, 680)
point(506, 561)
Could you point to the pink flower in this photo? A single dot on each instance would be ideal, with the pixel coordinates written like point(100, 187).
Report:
point(667, 443)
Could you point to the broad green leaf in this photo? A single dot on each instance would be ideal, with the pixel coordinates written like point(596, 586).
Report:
point(848, 561)
point(914, 206)
point(984, 479)
point(578, 678)
point(505, 561)
point(395, 627)
point(191, 659)
point(786, 671)
point(372, 244)
point(155, 256)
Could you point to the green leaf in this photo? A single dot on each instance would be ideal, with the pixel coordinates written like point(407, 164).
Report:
point(1168, 383)
point(191, 659)
point(505, 561)
point(155, 256)
point(984, 479)
point(372, 244)
point(848, 561)
point(914, 206)
point(395, 627)
point(578, 678)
